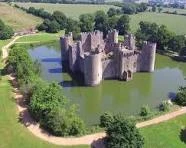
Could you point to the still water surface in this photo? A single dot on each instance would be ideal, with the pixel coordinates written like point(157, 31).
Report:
point(113, 95)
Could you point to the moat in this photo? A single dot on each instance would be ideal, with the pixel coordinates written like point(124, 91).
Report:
point(113, 95)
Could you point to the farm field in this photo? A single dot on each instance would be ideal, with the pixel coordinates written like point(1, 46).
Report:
point(183, 11)
point(175, 23)
point(71, 10)
point(16, 18)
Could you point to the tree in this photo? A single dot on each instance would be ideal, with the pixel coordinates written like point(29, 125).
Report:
point(60, 18)
point(86, 22)
point(53, 27)
point(123, 133)
point(176, 43)
point(181, 96)
point(159, 9)
point(106, 119)
point(6, 32)
point(101, 22)
point(123, 24)
point(129, 8)
point(154, 8)
point(111, 12)
point(112, 22)
point(74, 27)
point(183, 51)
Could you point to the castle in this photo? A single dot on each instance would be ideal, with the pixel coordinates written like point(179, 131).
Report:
point(97, 58)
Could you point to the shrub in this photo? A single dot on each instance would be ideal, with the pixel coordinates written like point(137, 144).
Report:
point(164, 106)
point(181, 96)
point(123, 133)
point(106, 119)
point(145, 111)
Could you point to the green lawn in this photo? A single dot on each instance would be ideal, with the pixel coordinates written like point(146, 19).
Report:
point(41, 37)
point(165, 135)
point(71, 10)
point(175, 23)
point(16, 18)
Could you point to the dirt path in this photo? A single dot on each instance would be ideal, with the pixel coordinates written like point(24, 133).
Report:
point(34, 128)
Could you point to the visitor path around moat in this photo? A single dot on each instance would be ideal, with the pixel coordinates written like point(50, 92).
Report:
point(34, 128)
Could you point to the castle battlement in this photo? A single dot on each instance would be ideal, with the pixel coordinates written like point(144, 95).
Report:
point(99, 58)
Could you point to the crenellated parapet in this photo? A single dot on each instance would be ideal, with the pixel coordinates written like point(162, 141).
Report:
point(130, 41)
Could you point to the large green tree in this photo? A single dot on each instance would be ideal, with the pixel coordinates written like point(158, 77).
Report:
point(123, 24)
point(86, 22)
point(122, 132)
point(6, 32)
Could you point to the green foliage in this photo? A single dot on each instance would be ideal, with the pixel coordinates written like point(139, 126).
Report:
point(6, 32)
point(154, 8)
point(111, 12)
point(154, 33)
point(74, 27)
point(106, 119)
point(86, 22)
point(112, 22)
point(49, 26)
point(164, 106)
point(123, 24)
point(101, 22)
point(132, 8)
point(61, 18)
point(49, 106)
point(123, 133)
point(176, 43)
point(145, 111)
point(181, 96)
point(183, 51)
point(22, 64)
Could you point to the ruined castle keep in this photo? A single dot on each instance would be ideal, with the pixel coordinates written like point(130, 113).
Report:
point(98, 59)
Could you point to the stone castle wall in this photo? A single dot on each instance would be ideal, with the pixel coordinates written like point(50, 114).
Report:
point(97, 58)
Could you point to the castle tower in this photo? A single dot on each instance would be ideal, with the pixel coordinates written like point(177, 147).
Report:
point(65, 41)
point(113, 36)
point(93, 69)
point(129, 41)
point(147, 58)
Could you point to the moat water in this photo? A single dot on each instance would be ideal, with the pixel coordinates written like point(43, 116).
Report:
point(113, 95)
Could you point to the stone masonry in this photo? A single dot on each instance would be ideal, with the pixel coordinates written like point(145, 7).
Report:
point(98, 59)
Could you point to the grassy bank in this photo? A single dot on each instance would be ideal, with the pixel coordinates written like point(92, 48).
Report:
point(16, 18)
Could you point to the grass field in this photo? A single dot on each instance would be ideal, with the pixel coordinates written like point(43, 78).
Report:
point(71, 10)
point(175, 23)
point(16, 18)
point(166, 135)
point(183, 11)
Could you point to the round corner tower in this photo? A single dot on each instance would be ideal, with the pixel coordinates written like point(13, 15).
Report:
point(148, 55)
point(93, 69)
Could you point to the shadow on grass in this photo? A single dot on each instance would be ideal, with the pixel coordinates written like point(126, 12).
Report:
point(100, 143)
point(183, 135)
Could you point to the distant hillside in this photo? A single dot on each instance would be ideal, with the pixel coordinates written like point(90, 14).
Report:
point(16, 18)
